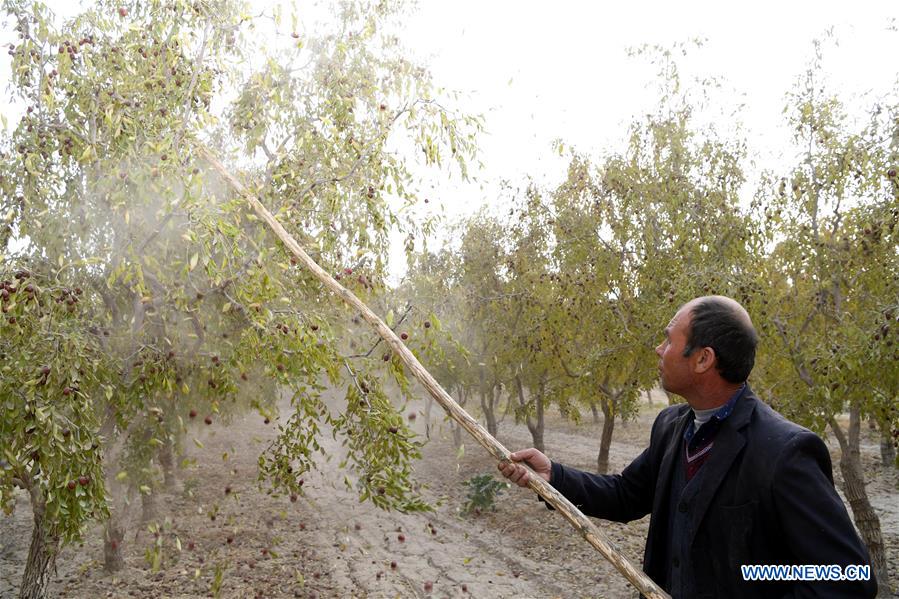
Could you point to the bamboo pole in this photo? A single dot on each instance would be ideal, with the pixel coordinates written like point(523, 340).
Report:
point(581, 523)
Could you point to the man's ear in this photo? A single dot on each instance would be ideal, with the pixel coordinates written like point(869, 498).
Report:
point(705, 360)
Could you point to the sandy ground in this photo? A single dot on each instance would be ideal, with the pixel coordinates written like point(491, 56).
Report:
point(328, 544)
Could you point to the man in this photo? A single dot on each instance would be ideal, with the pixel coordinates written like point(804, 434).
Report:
point(728, 480)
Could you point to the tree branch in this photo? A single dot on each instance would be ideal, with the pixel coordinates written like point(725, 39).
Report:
point(840, 435)
point(186, 109)
point(378, 342)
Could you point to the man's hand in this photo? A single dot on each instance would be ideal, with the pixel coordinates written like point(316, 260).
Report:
point(519, 474)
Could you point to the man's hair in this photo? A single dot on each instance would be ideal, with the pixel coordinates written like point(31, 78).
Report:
point(717, 324)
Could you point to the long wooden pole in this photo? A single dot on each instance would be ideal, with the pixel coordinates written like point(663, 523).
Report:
point(580, 522)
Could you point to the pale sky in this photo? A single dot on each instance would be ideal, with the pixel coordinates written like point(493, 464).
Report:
point(572, 79)
point(545, 70)
point(538, 71)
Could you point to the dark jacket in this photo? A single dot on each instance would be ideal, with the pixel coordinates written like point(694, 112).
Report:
point(766, 497)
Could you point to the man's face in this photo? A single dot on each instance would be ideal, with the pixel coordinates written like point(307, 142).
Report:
point(676, 370)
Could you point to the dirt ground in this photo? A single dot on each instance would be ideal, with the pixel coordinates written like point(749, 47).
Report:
point(328, 544)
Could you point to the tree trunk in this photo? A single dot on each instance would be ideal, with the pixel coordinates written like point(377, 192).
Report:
point(887, 449)
point(854, 488)
point(510, 404)
point(113, 536)
point(523, 405)
point(148, 507)
point(488, 407)
point(497, 395)
point(166, 458)
point(539, 427)
point(41, 555)
point(649, 397)
point(536, 428)
point(605, 441)
point(595, 409)
point(114, 528)
point(488, 413)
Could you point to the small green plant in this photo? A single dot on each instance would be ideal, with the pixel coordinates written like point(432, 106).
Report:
point(482, 492)
point(165, 547)
point(218, 579)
